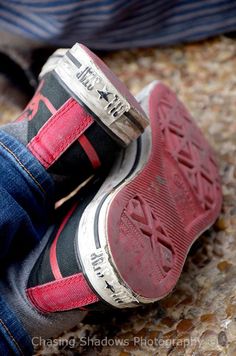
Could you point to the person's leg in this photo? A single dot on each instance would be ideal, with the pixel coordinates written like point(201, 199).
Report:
point(123, 242)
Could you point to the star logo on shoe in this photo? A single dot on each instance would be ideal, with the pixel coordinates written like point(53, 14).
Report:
point(104, 93)
point(109, 286)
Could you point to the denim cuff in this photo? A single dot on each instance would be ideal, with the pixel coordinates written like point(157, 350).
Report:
point(14, 338)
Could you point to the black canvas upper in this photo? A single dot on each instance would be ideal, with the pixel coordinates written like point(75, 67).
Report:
point(73, 166)
point(68, 256)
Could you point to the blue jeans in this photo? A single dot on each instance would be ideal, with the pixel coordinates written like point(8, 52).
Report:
point(26, 203)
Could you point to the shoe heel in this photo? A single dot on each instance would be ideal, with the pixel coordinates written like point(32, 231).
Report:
point(92, 83)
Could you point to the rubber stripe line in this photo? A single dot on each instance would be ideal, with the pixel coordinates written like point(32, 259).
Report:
point(90, 151)
point(63, 294)
point(53, 253)
point(59, 132)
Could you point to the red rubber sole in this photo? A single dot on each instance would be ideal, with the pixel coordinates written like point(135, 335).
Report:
point(154, 219)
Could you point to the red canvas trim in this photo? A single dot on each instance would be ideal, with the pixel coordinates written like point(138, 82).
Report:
point(53, 253)
point(90, 151)
point(63, 294)
point(59, 132)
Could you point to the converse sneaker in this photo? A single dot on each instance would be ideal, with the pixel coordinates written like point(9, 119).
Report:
point(78, 118)
point(126, 243)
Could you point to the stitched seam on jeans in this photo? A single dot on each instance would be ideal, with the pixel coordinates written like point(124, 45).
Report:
point(11, 336)
point(22, 166)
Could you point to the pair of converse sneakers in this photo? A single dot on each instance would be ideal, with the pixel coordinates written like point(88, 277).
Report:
point(123, 240)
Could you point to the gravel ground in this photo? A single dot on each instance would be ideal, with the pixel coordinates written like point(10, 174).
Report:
point(199, 317)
